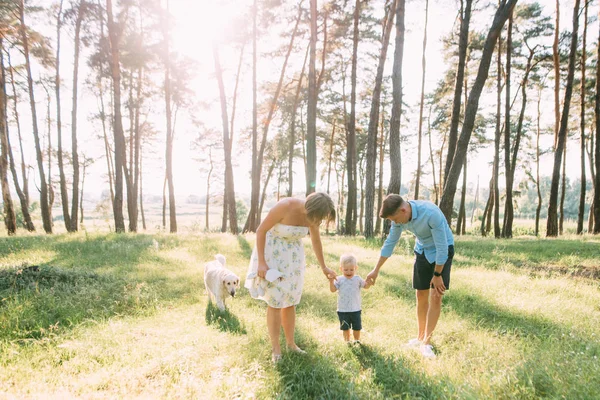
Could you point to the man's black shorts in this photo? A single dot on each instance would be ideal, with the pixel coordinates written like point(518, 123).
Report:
point(350, 320)
point(423, 270)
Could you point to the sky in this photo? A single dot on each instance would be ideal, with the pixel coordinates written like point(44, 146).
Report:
point(200, 23)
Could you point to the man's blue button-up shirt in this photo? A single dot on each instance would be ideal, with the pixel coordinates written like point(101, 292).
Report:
point(429, 225)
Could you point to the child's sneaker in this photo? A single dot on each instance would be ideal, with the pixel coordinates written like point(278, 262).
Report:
point(357, 342)
point(413, 343)
point(427, 351)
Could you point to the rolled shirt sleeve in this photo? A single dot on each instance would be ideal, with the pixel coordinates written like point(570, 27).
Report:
point(437, 223)
point(388, 247)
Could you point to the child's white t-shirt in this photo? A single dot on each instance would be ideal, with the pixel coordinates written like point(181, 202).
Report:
point(349, 293)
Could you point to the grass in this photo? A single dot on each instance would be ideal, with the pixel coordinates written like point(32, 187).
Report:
point(126, 316)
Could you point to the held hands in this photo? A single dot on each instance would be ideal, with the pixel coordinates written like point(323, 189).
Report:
point(437, 283)
point(329, 274)
point(372, 277)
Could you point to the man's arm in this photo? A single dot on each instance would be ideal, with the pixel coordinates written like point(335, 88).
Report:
point(437, 223)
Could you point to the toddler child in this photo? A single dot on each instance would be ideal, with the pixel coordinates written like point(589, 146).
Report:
point(348, 286)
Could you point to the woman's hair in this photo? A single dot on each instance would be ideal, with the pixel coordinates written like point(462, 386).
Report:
point(319, 207)
point(348, 259)
point(390, 205)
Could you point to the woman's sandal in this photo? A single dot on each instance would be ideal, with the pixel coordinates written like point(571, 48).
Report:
point(275, 358)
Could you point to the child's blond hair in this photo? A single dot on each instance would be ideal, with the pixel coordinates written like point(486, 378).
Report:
point(348, 259)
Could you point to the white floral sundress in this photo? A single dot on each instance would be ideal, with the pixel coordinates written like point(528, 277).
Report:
point(284, 252)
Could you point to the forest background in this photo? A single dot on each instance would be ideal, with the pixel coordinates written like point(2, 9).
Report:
point(361, 97)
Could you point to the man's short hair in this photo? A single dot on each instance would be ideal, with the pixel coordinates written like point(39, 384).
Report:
point(390, 205)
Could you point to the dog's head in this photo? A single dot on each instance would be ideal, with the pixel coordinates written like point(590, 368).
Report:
point(231, 282)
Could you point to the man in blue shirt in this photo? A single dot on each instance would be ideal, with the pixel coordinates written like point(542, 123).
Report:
point(434, 250)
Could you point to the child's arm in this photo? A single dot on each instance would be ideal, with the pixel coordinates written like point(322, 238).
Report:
point(332, 285)
point(367, 284)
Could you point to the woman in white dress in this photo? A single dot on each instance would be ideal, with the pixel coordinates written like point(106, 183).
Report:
point(279, 246)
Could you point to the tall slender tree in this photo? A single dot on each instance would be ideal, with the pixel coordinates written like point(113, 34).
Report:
point(119, 139)
point(465, 20)
point(44, 199)
point(229, 184)
point(421, 103)
point(311, 113)
point(552, 222)
point(10, 221)
point(351, 166)
point(395, 157)
point(580, 214)
point(472, 106)
point(374, 122)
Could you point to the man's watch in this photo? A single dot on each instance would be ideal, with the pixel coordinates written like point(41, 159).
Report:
point(435, 273)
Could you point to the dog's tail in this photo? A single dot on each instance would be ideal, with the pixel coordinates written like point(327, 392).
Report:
point(220, 258)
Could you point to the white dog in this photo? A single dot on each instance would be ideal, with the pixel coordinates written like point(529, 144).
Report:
point(219, 281)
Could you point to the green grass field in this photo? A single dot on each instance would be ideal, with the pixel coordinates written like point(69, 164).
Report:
point(115, 316)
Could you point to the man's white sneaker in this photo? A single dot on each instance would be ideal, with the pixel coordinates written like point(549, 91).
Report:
point(427, 351)
point(413, 343)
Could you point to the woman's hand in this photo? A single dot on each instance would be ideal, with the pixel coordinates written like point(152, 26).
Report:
point(329, 274)
point(262, 269)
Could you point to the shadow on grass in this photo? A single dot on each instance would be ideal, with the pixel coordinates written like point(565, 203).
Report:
point(395, 379)
point(83, 278)
point(225, 321)
point(315, 376)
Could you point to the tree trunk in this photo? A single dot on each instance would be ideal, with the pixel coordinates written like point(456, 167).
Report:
point(142, 194)
point(311, 112)
point(472, 105)
point(563, 190)
point(497, 137)
point(395, 156)
point(382, 141)
point(267, 122)
point(581, 213)
point(487, 209)
point(596, 149)
point(227, 206)
point(552, 223)
point(255, 174)
point(210, 170)
point(374, 123)
point(81, 195)
point(475, 201)
point(330, 154)
point(75, 204)
point(21, 193)
point(137, 153)
point(44, 204)
point(49, 152)
point(460, 221)
point(292, 142)
point(164, 204)
point(420, 134)
point(508, 204)
point(432, 158)
point(170, 133)
point(64, 196)
point(590, 154)
point(119, 139)
point(351, 167)
point(463, 42)
point(227, 142)
point(10, 220)
point(556, 62)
